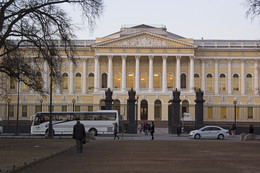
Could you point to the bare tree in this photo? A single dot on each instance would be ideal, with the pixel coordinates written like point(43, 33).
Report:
point(253, 8)
point(37, 27)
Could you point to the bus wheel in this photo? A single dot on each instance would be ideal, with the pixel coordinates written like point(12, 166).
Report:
point(93, 131)
point(47, 133)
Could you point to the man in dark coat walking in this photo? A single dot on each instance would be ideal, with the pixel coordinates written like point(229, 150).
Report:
point(79, 134)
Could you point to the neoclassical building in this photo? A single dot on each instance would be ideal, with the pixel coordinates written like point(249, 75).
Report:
point(153, 62)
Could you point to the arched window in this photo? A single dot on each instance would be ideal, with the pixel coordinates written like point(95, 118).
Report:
point(183, 80)
point(12, 83)
point(170, 80)
point(157, 110)
point(102, 104)
point(222, 82)
point(78, 81)
point(130, 80)
point(143, 81)
point(144, 110)
point(65, 81)
point(91, 81)
point(156, 80)
point(196, 82)
point(235, 82)
point(39, 78)
point(209, 81)
point(116, 106)
point(26, 79)
point(117, 80)
point(104, 80)
point(249, 82)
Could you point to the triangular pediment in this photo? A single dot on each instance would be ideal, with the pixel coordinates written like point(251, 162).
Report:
point(144, 40)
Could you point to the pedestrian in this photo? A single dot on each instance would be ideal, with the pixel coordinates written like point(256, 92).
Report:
point(140, 128)
point(233, 129)
point(146, 128)
point(179, 130)
point(152, 130)
point(79, 135)
point(251, 129)
point(115, 131)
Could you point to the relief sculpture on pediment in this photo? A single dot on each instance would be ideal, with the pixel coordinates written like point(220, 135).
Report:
point(144, 41)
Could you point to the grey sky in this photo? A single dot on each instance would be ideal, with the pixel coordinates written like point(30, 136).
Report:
point(210, 19)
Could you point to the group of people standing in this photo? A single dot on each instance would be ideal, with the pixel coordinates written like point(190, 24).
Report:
point(147, 127)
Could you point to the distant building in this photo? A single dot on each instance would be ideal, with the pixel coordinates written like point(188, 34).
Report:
point(153, 62)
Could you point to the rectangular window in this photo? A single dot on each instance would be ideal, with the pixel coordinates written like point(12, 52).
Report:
point(77, 108)
point(237, 113)
point(223, 111)
point(38, 108)
point(51, 109)
point(90, 108)
point(250, 112)
point(196, 83)
point(24, 110)
point(64, 108)
point(11, 111)
point(210, 112)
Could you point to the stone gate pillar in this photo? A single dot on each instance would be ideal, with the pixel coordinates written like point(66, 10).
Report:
point(199, 109)
point(131, 127)
point(176, 111)
point(108, 99)
point(170, 114)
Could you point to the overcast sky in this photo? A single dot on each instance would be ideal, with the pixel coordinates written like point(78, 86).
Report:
point(210, 19)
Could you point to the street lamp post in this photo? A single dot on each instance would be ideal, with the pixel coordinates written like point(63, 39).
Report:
point(8, 109)
point(235, 111)
point(137, 111)
point(73, 104)
point(41, 101)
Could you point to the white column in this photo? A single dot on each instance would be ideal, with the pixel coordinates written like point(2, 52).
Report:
point(137, 63)
point(110, 72)
point(84, 90)
point(191, 73)
point(242, 77)
point(96, 77)
point(216, 76)
point(229, 78)
point(150, 73)
point(164, 74)
point(45, 76)
point(123, 86)
point(178, 72)
point(256, 77)
point(203, 74)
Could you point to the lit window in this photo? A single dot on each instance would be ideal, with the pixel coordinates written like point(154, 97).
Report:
point(64, 108)
point(26, 79)
point(169, 80)
point(117, 80)
point(143, 80)
point(156, 80)
point(130, 80)
point(77, 108)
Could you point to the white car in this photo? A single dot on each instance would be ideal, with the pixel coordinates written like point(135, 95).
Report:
point(209, 132)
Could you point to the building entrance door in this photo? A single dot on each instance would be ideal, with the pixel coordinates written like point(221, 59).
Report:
point(144, 110)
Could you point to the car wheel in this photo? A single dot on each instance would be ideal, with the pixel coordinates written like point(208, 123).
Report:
point(93, 131)
point(197, 136)
point(220, 136)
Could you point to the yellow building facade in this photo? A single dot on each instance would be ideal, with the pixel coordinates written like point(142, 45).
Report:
point(153, 62)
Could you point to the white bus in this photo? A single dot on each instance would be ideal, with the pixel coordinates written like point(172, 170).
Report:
point(100, 122)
